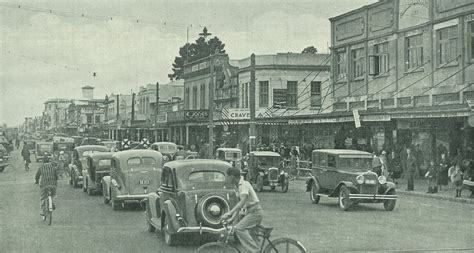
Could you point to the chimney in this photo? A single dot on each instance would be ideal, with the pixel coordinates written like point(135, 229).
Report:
point(88, 92)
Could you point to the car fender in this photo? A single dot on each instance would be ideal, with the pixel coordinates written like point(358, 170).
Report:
point(348, 184)
point(309, 181)
point(170, 211)
point(106, 185)
point(390, 186)
point(152, 205)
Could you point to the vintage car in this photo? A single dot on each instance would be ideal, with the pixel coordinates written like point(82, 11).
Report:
point(43, 148)
point(78, 162)
point(63, 144)
point(3, 158)
point(231, 155)
point(167, 149)
point(192, 198)
point(133, 174)
point(346, 175)
point(111, 145)
point(264, 170)
point(97, 167)
point(30, 145)
point(91, 141)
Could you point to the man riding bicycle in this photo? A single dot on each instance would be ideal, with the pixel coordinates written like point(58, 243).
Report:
point(49, 176)
point(245, 229)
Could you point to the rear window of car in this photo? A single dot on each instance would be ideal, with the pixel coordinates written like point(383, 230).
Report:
point(104, 162)
point(134, 161)
point(206, 176)
point(148, 161)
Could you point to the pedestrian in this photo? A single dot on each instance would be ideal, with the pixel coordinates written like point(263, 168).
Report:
point(394, 167)
point(443, 167)
point(376, 164)
point(456, 179)
point(25, 153)
point(469, 178)
point(410, 169)
point(62, 163)
point(431, 175)
point(384, 162)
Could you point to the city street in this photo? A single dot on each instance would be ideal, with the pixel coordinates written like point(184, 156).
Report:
point(83, 223)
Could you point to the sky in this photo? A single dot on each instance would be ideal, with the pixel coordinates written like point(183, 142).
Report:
point(49, 50)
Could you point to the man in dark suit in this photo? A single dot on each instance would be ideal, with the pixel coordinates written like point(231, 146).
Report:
point(410, 169)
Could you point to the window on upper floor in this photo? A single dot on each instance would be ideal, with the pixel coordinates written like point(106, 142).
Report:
point(379, 61)
point(315, 94)
point(357, 63)
point(195, 91)
point(292, 94)
point(447, 45)
point(341, 66)
point(413, 52)
point(263, 93)
point(203, 96)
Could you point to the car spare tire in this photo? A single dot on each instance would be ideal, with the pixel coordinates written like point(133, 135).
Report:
point(210, 209)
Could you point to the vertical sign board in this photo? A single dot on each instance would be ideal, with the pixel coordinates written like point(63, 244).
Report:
point(356, 118)
point(279, 98)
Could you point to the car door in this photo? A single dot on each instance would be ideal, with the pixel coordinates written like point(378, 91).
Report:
point(320, 168)
point(168, 186)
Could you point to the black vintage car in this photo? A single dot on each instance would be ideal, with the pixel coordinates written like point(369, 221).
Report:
point(264, 170)
point(193, 196)
point(78, 162)
point(97, 167)
point(346, 174)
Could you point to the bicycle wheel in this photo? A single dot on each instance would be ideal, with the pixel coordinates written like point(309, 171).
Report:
point(217, 247)
point(49, 217)
point(284, 245)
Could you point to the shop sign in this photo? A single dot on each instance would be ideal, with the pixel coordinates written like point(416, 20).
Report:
point(356, 118)
point(431, 115)
point(376, 117)
point(196, 114)
point(423, 124)
point(244, 114)
point(175, 116)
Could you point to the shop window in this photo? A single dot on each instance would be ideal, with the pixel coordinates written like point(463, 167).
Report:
point(447, 45)
point(379, 61)
point(405, 102)
point(357, 63)
point(316, 94)
point(195, 98)
point(422, 100)
point(292, 95)
point(413, 52)
point(341, 66)
point(263, 93)
point(203, 96)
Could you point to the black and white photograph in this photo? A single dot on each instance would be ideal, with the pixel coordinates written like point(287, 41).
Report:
point(227, 126)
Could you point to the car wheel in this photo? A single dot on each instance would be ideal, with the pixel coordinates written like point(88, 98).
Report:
point(259, 183)
point(170, 239)
point(389, 204)
point(150, 228)
point(285, 185)
point(314, 192)
point(344, 200)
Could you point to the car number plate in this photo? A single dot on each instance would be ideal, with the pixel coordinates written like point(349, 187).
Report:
point(144, 181)
point(370, 181)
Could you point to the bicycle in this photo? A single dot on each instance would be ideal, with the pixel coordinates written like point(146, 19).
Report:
point(279, 245)
point(48, 207)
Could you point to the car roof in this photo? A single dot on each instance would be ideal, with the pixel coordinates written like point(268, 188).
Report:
point(91, 147)
point(101, 155)
point(265, 153)
point(230, 149)
point(186, 162)
point(341, 152)
point(122, 155)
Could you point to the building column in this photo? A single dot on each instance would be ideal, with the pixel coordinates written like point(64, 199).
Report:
point(187, 135)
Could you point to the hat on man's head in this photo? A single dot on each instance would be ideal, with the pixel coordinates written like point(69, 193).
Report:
point(233, 171)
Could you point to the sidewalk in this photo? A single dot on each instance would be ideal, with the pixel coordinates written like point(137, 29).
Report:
point(421, 187)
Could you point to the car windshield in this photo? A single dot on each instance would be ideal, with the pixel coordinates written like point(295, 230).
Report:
point(104, 162)
point(206, 176)
point(355, 164)
point(167, 148)
point(268, 161)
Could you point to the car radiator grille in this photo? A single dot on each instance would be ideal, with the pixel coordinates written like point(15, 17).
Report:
point(368, 189)
point(272, 174)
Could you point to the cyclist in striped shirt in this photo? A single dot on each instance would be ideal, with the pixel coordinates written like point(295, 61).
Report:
point(48, 173)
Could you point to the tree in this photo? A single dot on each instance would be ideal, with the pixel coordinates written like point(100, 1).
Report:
point(310, 50)
point(201, 48)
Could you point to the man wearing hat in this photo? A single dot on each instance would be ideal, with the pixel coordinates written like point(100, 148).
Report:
point(253, 211)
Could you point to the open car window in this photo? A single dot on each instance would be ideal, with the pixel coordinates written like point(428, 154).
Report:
point(206, 176)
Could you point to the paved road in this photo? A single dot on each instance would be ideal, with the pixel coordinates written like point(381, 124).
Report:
point(85, 224)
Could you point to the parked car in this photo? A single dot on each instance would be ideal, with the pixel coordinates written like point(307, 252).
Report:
point(91, 141)
point(30, 145)
point(231, 155)
point(65, 145)
point(3, 158)
point(193, 196)
point(167, 149)
point(134, 173)
point(97, 167)
point(264, 170)
point(346, 175)
point(43, 148)
point(78, 162)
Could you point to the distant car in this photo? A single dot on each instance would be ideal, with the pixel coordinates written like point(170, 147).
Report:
point(133, 174)
point(231, 155)
point(91, 141)
point(78, 162)
point(43, 148)
point(346, 174)
point(167, 149)
point(264, 170)
point(97, 167)
point(192, 198)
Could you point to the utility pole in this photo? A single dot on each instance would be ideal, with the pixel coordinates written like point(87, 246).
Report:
point(211, 109)
point(117, 117)
point(252, 132)
point(133, 112)
point(156, 109)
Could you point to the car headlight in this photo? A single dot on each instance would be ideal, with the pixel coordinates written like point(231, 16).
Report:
point(360, 179)
point(382, 180)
